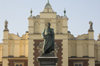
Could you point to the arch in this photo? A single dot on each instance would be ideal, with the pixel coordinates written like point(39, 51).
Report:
point(36, 27)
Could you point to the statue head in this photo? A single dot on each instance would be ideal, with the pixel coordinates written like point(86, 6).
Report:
point(48, 24)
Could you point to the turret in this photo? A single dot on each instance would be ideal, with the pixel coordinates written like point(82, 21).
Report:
point(5, 39)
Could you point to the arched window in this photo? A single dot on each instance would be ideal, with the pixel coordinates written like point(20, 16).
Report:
point(36, 27)
point(76, 64)
point(16, 64)
point(20, 64)
point(80, 65)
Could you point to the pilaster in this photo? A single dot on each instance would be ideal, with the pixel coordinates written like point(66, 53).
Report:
point(64, 26)
point(91, 48)
point(98, 53)
point(65, 52)
point(31, 25)
point(30, 52)
point(5, 62)
point(91, 35)
point(91, 62)
point(0, 53)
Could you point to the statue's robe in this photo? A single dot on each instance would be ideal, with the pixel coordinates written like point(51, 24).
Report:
point(48, 35)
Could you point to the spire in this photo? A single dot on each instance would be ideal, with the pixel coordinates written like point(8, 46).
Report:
point(48, 1)
point(6, 26)
point(47, 6)
point(31, 12)
point(98, 37)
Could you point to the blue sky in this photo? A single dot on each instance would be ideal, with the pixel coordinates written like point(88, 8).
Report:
point(79, 12)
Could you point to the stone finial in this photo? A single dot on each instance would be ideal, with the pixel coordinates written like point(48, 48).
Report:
point(91, 26)
point(64, 12)
point(18, 34)
point(6, 26)
point(31, 12)
point(98, 37)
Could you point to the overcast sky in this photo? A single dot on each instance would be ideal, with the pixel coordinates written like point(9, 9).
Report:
point(79, 12)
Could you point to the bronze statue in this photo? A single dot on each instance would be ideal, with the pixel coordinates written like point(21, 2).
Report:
point(48, 35)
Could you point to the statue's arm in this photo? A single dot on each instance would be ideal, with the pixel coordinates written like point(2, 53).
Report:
point(43, 34)
point(53, 33)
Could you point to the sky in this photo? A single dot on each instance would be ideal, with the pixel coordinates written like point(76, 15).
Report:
point(79, 12)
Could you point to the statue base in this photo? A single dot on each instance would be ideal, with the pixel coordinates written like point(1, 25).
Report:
point(47, 60)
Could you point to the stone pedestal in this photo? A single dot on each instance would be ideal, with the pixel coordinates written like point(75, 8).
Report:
point(47, 60)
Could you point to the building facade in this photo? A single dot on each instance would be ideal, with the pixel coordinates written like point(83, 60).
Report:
point(82, 50)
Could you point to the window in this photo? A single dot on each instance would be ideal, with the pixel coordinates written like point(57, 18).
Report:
point(18, 63)
point(78, 63)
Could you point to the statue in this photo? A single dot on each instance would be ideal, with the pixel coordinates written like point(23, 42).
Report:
point(48, 35)
point(6, 25)
point(91, 25)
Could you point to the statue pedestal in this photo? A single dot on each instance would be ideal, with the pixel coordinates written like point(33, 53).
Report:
point(47, 60)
